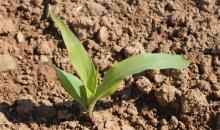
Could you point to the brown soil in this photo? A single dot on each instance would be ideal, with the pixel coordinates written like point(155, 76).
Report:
point(31, 97)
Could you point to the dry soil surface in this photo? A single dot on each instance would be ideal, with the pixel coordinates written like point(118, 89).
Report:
point(31, 97)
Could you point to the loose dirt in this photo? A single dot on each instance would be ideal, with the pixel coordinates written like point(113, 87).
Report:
point(31, 97)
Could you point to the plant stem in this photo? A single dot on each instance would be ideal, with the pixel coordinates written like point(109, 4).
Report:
point(90, 108)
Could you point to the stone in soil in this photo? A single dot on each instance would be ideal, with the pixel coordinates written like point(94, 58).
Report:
point(103, 34)
point(20, 37)
point(7, 63)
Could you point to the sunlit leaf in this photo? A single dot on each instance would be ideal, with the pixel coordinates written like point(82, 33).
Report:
point(78, 56)
point(73, 86)
point(86, 92)
point(138, 64)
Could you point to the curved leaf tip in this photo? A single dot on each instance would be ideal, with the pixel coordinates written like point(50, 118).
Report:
point(137, 64)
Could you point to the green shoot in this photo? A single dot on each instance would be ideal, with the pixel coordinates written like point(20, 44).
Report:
point(87, 91)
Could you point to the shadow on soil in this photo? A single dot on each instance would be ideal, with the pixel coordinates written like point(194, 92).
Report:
point(26, 111)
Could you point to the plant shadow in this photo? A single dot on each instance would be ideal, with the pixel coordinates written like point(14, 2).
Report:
point(27, 112)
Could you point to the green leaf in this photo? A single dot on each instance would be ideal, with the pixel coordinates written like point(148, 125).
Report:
point(135, 65)
point(79, 57)
point(109, 90)
point(73, 86)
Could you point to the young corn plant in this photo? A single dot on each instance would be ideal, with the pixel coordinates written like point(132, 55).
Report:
point(88, 91)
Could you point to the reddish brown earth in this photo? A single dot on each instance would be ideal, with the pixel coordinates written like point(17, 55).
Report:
point(31, 97)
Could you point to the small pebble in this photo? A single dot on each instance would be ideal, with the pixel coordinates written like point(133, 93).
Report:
point(7, 63)
point(43, 59)
point(103, 34)
point(20, 37)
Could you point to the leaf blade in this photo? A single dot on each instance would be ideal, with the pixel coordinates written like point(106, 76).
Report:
point(72, 85)
point(78, 56)
point(137, 64)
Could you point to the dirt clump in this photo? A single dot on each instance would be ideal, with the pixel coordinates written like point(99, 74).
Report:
point(7, 25)
point(207, 5)
point(204, 87)
point(166, 94)
point(144, 84)
point(43, 48)
point(193, 102)
point(111, 31)
point(96, 8)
